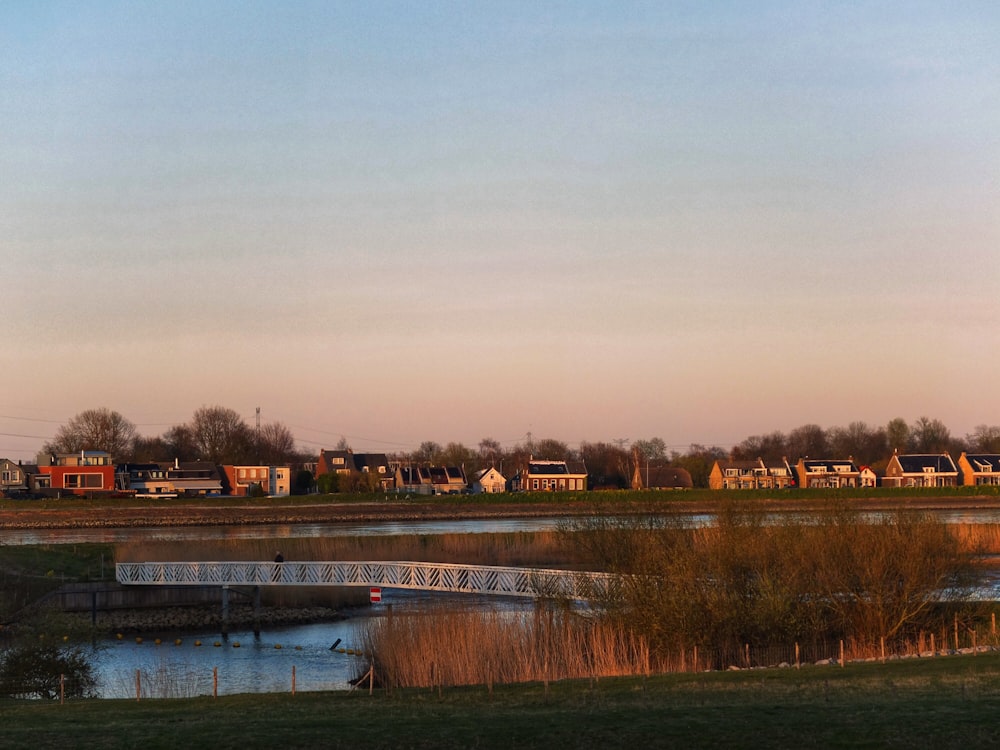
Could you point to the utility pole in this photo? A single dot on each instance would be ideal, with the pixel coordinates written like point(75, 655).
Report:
point(258, 435)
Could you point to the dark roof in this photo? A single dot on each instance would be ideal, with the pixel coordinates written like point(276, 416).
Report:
point(915, 463)
point(552, 468)
point(353, 461)
point(548, 467)
point(667, 477)
point(193, 470)
point(984, 461)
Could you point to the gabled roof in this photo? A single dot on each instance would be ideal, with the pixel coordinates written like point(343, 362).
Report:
point(989, 462)
point(483, 472)
point(333, 460)
point(918, 463)
point(667, 477)
point(538, 467)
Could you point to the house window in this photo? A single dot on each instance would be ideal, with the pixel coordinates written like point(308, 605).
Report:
point(83, 481)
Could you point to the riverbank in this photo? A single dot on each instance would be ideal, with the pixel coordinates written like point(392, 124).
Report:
point(331, 509)
point(939, 703)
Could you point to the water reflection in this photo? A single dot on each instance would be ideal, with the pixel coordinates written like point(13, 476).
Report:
point(255, 665)
point(272, 531)
point(306, 530)
point(264, 664)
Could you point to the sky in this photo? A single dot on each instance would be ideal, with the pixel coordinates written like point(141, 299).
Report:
point(588, 221)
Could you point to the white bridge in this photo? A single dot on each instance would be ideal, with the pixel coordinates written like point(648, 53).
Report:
point(445, 577)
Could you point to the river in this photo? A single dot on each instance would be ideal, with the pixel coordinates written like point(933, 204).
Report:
point(389, 528)
point(325, 656)
point(245, 663)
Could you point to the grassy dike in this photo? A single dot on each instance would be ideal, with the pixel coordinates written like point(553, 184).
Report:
point(944, 702)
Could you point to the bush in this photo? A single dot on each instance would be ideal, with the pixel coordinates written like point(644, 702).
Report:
point(36, 670)
point(760, 579)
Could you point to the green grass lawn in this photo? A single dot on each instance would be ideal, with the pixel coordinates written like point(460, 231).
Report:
point(936, 703)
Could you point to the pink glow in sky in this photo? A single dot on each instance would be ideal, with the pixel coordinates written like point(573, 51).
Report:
point(400, 222)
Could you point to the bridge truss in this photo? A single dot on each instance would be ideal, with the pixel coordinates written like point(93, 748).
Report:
point(445, 577)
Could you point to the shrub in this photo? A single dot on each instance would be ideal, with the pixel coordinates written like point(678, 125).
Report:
point(36, 670)
point(759, 578)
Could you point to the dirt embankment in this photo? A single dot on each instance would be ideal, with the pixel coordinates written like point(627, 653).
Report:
point(128, 515)
point(209, 515)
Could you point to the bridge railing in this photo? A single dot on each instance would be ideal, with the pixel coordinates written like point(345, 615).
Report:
point(445, 577)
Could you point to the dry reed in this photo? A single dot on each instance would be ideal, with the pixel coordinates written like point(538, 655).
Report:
point(440, 648)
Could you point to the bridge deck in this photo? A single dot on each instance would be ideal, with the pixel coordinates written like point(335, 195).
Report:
point(469, 579)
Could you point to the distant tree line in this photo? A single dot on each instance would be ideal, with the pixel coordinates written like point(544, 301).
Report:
point(214, 433)
point(222, 436)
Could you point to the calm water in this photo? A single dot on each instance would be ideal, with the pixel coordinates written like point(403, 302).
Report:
point(272, 531)
point(281, 531)
point(259, 665)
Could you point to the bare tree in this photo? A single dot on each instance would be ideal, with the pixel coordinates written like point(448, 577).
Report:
point(92, 430)
point(490, 452)
point(985, 439)
point(180, 443)
point(930, 436)
point(456, 454)
point(551, 450)
point(653, 450)
point(809, 440)
point(770, 447)
point(429, 452)
point(865, 444)
point(275, 444)
point(220, 435)
point(897, 433)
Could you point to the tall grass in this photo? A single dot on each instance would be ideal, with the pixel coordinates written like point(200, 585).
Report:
point(978, 538)
point(442, 648)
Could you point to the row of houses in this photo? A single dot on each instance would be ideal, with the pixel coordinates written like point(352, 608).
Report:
point(92, 472)
point(423, 479)
point(902, 470)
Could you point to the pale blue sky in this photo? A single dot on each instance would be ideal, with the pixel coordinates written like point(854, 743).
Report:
point(445, 221)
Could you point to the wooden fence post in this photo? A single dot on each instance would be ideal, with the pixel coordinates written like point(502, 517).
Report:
point(293, 679)
point(215, 682)
point(933, 651)
point(138, 685)
point(798, 660)
point(841, 652)
point(62, 689)
point(883, 649)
